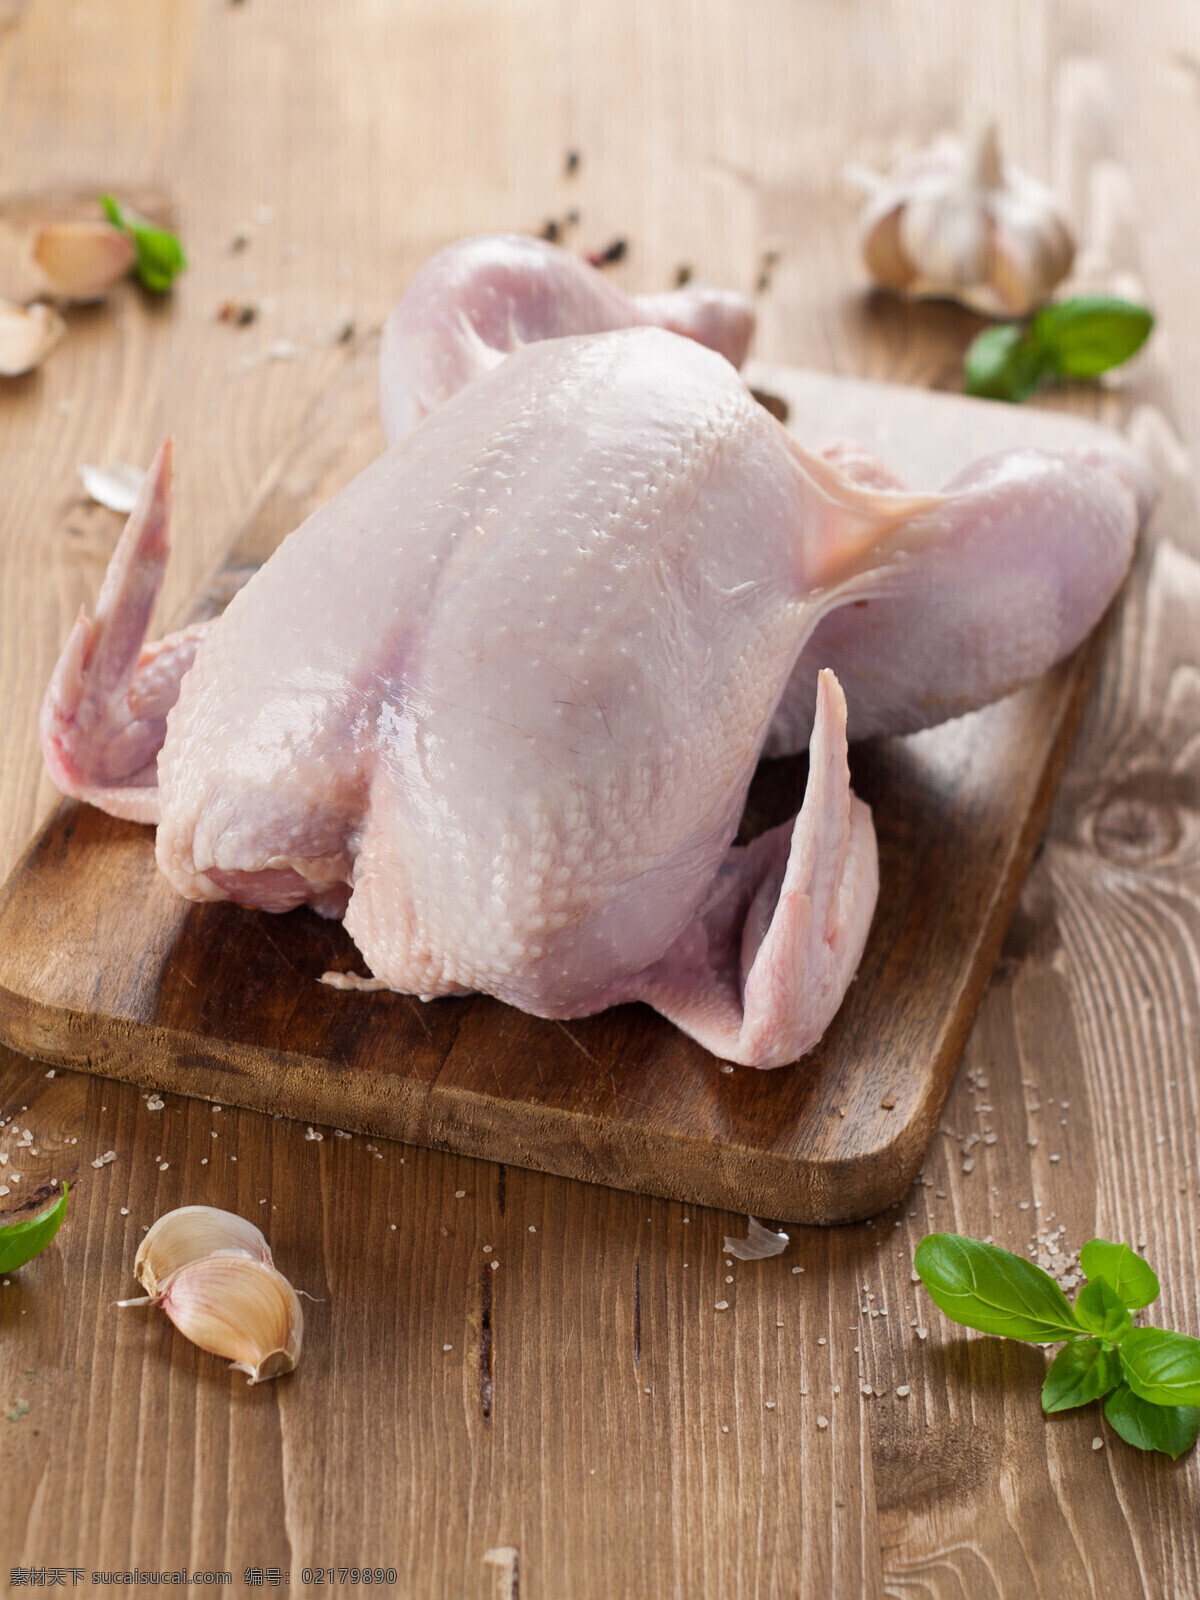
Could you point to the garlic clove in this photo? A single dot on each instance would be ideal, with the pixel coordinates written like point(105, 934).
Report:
point(234, 1306)
point(884, 254)
point(189, 1234)
point(27, 337)
point(948, 240)
point(82, 260)
point(1033, 246)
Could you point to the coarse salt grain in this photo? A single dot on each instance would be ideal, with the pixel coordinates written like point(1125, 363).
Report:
point(822, 1422)
point(124, 1211)
point(866, 1388)
point(722, 1305)
point(447, 1347)
point(460, 1194)
point(904, 1391)
point(1097, 1443)
point(102, 1161)
point(311, 1133)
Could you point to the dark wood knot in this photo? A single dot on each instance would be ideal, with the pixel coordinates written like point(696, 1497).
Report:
point(1132, 830)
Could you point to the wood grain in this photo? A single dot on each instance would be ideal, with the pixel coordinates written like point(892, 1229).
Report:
point(103, 967)
point(708, 131)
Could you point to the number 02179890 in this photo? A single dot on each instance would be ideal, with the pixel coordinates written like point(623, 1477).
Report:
point(340, 1575)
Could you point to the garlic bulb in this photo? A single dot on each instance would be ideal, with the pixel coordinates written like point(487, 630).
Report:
point(189, 1234)
point(27, 336)
point(955, 220)
point(82, 260)
point(239, 1308)
point(211, 1271)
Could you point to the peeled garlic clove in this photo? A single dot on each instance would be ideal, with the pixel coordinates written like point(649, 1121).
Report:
point(82, 260)
point(27, 337)
point(189, 1234)
point(239, 1308)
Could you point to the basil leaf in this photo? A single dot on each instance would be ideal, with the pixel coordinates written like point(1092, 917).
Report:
point(1002, 364)
point(1100, 1309)
point(993, 1290)
point(1086, 336)
point(1130, 1276)
point(1171, 1429)
point(21, 1241)
point(160, 257)
point(1081, 1371)
point(1161, 1366)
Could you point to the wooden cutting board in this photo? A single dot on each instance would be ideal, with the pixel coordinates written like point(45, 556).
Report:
point(104, 969)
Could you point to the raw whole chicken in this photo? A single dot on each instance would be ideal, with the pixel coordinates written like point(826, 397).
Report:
point(498, 703)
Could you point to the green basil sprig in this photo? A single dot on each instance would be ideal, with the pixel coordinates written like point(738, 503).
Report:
point(1079, 338)
point(1151, 1376)
point(21, 1241)
point(160, 257)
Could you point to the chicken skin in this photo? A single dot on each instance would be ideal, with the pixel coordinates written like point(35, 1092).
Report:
point(497, 705)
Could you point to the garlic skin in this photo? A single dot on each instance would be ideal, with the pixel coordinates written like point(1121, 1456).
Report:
point(955, 220)
point(237, 1307)
point(82, 260)
point(189, 1234)
point(759, 1243)
point(27, 336)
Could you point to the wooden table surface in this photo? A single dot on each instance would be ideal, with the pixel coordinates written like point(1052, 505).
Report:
point(580, 1420)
